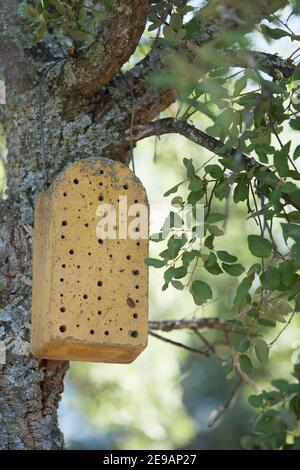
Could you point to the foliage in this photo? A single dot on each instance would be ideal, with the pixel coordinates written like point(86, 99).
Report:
point(246, 111)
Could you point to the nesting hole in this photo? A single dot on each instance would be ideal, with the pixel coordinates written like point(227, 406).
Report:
point(135, 316)
point(76, 181)
point(64, 223)
point(134, 334)
point(106, 333)
point(92, 332)
point(71, 252)
point(62, 328)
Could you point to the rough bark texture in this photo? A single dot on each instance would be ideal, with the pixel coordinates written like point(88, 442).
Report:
point(90, 124)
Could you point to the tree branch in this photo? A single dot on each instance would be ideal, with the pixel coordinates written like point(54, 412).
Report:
point(171, 125)
point(192, 324)
point(18, 70)
point(272, 64)
point(114, 44)
point(214, 20)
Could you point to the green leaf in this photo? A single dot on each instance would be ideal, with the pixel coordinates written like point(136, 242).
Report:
point(215, 171)
point(172, 190)
point(213, 218)
point(245, 364)
point(211, 265)
point(239, 85)
point(256, 400)
point(261, 350)
point(243, 290)
point(222, 191)
point(180, 272)
point(274, 33)
point(155, 263)
point(241, 190)
point(296, 152)
point(244, 345)
point(177, 285)
point(259, 246)
point(295, 124)
point(201, 292)
point(280, 160)
point(233, 269)
point(226, 257)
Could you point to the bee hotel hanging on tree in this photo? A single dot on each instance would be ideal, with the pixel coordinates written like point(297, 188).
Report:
point(90, 283)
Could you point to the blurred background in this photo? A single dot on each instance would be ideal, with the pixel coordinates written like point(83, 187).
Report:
point(165, 398)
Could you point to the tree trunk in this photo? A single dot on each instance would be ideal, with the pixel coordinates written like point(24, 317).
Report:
point(74, 129)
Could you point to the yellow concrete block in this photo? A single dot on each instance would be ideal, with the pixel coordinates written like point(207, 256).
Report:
point(90, 295)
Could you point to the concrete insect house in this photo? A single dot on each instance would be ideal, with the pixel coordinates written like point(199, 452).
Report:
point(90, 294)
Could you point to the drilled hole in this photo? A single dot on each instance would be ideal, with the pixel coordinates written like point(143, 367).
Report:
point(63, 309)
point(136, 272)
point(63, 265)
point(100, 283)
point(64, 223)
point(121, 329)
point(63, 328)
point(99, 298)
point(100, 241)
point(110, 256)
point(92, 332)
point(135, 316)
point(61, 279)
point(89, 253)
point(86, 225)
point(137, 229)
point(138, 243)
point(77, 326)
point(85, 296)
point(100, 184)
point(136, 201)
point(101, 197)
point(101, 172)
point(65, 194)
point(137, 287)
point(106, 333)
point(128, 257)
point(61, 295)
point(125, 186)
point(99, 312)
point(71, 252)
point(134, 334)
point(75, 181)
point(78, 266)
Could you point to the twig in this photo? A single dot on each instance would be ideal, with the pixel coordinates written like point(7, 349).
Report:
point(283, 329)
point(219, 412)
point(180, 345)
